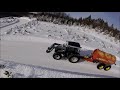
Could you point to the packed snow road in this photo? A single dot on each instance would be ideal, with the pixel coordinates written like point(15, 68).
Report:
point(32, 51)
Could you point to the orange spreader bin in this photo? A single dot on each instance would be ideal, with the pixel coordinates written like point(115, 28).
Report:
point(102, 56)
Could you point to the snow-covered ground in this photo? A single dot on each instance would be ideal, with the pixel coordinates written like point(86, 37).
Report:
point(27, 44)
point(13, 25)
point(30, 71)
point(4, 22)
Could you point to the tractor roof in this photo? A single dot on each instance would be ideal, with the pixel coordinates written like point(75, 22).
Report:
point(75, 44)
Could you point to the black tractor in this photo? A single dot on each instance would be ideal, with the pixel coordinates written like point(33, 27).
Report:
point(69, 50)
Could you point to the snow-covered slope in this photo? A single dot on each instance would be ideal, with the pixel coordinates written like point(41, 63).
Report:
point(28, 42)
point(4, 22)
point(13, 25)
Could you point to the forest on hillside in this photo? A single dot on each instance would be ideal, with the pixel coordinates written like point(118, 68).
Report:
point(62, 18)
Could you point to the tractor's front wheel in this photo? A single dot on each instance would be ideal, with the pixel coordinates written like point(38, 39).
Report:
point(57, 56)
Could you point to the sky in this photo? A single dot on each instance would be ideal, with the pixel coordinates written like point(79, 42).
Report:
point(110, 17)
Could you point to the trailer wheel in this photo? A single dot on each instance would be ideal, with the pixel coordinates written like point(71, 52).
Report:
point(74, 59)
point(100, 66)
point(106, 68)
point(57, 56)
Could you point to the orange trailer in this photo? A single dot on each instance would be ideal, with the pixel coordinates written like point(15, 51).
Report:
point(104, 59)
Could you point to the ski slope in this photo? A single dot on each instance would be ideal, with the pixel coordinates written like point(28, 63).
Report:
point(30, 49)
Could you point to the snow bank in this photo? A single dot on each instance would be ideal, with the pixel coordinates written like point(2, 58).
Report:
point(8, 21)
point(25, 18)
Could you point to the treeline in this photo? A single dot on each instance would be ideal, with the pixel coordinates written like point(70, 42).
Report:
point(62, 18)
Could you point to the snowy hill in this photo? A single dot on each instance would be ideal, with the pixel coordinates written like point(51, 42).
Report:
point(26, 43)
point(8, 21)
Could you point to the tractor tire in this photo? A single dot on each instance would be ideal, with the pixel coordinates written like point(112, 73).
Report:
point(106, 68)
point(100, 66)
point(57, 56)
point(74, 58)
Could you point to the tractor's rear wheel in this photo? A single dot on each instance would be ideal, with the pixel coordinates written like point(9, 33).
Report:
point(100, 66)
point(74, 59)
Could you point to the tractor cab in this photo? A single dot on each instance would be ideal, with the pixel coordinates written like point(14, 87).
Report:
point(73, 47)
point(74, 44)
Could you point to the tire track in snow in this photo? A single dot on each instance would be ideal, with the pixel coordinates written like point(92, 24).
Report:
point(43, 40)
point(55, 70)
